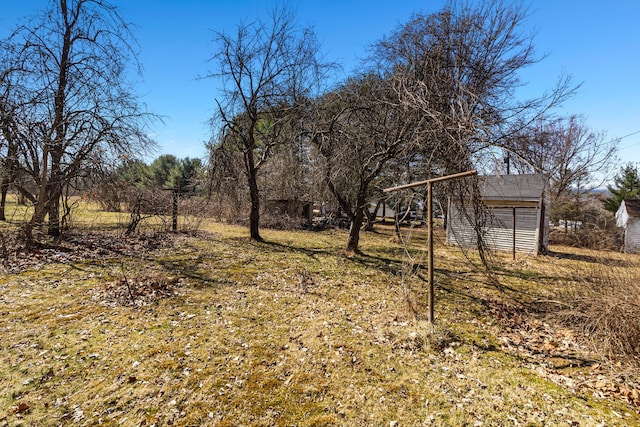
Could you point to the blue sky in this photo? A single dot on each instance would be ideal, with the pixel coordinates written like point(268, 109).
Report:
point(596, 42)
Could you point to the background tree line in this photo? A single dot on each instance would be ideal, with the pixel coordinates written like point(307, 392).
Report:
point(132, 179)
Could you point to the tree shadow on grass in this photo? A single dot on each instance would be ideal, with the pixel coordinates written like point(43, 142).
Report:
point(282, 248)
point(608, 261)
point(202, 270)
point(193, 269)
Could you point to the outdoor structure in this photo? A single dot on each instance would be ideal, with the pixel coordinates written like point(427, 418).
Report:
point(628, 217)
point(518, 220)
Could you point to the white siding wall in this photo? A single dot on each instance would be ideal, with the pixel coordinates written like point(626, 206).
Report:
point(632, 236)
point(622, 216)
point(499, 233)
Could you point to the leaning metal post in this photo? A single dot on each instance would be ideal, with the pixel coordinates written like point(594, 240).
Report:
point(429, 184)
point(430, 248)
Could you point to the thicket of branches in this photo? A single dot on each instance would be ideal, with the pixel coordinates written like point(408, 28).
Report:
point(435, 97)
point(163, 189)
point(67, 104)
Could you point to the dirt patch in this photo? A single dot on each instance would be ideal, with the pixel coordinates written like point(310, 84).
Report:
point(139, 291)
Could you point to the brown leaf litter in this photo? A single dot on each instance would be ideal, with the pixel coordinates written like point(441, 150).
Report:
point(562, 356)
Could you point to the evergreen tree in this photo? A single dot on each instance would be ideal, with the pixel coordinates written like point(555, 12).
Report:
point(161, 170)
point(134, 172)
point(182, 176)
point(626, 186)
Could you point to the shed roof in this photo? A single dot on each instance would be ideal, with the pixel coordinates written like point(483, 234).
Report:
point(633, 207)
point(523, 187)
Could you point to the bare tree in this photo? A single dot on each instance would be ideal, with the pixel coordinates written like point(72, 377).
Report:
point(270, 69)
point(460, 67)
point(576, 160)
point(444, 93)
point(565, 150)
point(76, 58)
point(358, 129)
point(11, 127)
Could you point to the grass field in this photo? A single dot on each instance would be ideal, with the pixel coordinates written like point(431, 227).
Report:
point(209, 328)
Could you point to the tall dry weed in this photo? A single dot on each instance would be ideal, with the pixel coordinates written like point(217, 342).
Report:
point(605, 307)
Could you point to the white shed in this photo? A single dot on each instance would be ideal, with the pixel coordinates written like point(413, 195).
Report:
point(628, 217)
point(518, 206)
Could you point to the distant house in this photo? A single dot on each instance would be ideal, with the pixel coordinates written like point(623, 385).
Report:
point(513, 201)
point(628, 217)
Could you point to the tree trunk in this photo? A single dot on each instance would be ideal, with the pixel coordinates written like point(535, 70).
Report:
point(254, 214)
point(54, 190)
point(3, 199)
point(354, 233)
point(54, 194)
point(396, 226)
point(39, 212)
point(356, 216)
point(53, 228)
point(371, 216)
point(37, 220)
point(174, 211)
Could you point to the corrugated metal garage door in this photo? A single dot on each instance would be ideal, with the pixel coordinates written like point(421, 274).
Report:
point(498, 232)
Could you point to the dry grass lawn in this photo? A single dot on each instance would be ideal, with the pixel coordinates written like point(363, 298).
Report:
point(212, 329)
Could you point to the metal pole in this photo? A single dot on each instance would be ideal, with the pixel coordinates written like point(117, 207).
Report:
point(430, 248)
point(174, 213)
point(513, 224)
point(421, 183)
point(507, 160)
point(429, 184)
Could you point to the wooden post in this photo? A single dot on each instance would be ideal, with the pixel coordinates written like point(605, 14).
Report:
point(429, 184)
